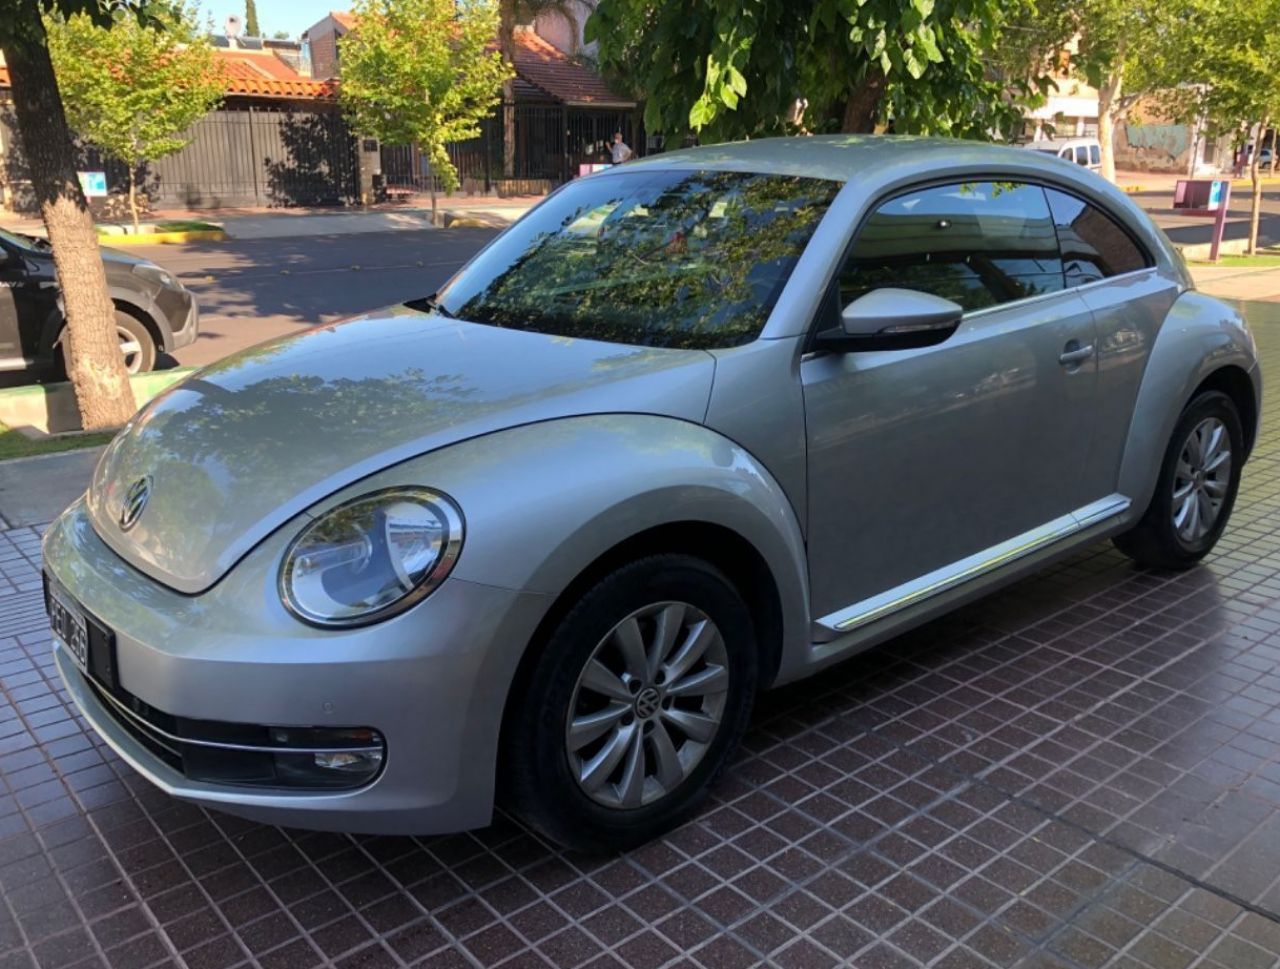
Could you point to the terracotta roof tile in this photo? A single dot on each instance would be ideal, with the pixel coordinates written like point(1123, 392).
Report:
point(548, 67)
point(4, 76)
point(303, 88)
point(344, 18)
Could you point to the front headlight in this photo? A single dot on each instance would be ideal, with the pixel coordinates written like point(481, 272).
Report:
point(155, 274)
point(371, 558)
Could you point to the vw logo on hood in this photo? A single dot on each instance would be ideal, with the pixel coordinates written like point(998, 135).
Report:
point(135, 502)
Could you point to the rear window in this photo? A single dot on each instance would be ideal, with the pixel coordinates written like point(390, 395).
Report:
point(664, 259)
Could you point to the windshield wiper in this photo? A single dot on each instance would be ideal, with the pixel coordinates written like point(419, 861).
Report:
point(431, 305)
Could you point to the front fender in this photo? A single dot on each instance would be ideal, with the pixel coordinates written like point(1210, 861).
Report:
point(1199, 336)
point(543, 501)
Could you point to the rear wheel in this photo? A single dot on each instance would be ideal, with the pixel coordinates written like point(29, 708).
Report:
point(634, 706)
point(1196, 489)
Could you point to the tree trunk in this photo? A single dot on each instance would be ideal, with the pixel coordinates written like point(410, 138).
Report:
point(1255, 174)
point(133, 198)
point(92, 351)
point(1108, 102)
point(507, 40)
point(862, 109)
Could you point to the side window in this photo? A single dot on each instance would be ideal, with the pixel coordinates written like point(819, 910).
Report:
point(1065, 153)
point(1093, 245)
point(1082, 155)
point(1095, 155)
point(978, 244)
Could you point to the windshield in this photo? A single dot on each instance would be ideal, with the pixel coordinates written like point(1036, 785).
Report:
point(662, 259)
point(27, 243)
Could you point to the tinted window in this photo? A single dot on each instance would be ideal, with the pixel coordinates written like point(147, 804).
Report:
point(1093, 245)
point(1095, 155)
point(978, 244)
point(1082, 155)
point(663, 259)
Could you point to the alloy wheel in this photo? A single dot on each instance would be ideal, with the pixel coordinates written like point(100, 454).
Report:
point(1201, 479)
point(647, 705)
point(131, 349)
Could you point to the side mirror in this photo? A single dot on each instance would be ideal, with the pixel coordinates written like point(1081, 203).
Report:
point(892, 319)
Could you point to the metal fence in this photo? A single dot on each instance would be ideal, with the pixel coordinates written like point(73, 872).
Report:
point(237, 156)
point(550, 141)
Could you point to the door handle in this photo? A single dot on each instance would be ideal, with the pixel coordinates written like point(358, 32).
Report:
point(1073, 355)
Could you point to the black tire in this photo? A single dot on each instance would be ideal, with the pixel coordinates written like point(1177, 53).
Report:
point(144, 361)
point(1154, 541)
point(541, 781)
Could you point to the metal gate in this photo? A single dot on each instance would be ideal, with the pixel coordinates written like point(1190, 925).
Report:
point(551, 141)
point(240, 156)
point(259, 156)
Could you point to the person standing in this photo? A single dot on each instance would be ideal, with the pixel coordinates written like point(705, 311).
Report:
point(620, 151)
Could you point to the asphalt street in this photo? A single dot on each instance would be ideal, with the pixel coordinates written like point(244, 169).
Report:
point(251, 290)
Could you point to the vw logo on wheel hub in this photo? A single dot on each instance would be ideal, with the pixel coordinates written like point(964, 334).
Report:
point(647, 703)
point(135, 502)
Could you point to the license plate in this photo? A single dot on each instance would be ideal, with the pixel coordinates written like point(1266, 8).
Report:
point(69, 625)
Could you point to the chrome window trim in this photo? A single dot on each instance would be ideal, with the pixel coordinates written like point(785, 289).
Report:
point(948, 577)
point(1042, 297)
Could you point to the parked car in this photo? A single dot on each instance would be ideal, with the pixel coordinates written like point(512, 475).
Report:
point(547, 533)
point(1083, 151)
point(153, 310)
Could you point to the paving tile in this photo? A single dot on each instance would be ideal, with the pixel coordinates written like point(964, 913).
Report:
point(1082, 770)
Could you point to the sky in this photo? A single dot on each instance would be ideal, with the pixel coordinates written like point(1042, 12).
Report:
point(295, 16)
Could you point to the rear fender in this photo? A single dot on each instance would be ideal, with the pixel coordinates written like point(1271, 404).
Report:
point(1200, 335)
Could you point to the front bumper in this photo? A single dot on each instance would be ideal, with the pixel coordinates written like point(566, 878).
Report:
point(432, 681)
point(181, 311)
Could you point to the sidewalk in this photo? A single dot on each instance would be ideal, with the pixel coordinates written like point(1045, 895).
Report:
point(1239, 282)
point(263, 223)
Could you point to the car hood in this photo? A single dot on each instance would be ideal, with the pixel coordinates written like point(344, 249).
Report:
point(239, 448)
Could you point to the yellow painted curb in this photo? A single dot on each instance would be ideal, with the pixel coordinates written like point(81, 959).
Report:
point(163, 238)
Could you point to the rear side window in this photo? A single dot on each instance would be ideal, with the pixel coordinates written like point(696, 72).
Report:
point(1095, 155)
point(1082, 155)
point(978, 244)
point(1093, 245)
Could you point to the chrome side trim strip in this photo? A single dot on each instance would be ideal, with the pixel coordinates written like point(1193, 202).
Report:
point(949, 576)
point(161, 735)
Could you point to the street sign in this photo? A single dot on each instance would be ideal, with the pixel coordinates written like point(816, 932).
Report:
point(93, 184)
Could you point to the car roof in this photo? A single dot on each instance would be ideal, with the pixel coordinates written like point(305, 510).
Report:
point(839, 157)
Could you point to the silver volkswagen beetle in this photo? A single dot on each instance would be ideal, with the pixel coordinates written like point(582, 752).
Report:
point(696, 426)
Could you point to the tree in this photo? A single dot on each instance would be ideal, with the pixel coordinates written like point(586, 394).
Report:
point(1121, 49)
point(511, 13)
point(90, 346)
point(422, 71)
point(251, 28)
point(731, 69)
point(133, 90)
point(1227, 51)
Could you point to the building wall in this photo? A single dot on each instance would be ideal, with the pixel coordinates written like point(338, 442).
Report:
point(322, 40)
point(558, 30)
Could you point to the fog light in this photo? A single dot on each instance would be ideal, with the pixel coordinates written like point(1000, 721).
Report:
point(351, 763)
point(347, 757)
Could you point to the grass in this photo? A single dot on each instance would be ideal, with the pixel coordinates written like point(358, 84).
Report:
point(16, 445)
point(1261, 259)
point(172, 225)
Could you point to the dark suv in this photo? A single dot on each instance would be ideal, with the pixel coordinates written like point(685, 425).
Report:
point(153, 310)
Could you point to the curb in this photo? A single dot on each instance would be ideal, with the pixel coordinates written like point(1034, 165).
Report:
point(41, 411)
point(163, 238)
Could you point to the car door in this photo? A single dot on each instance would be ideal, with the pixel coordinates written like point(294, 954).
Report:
point(1129, 301)
point(12, 285)
point(920, 459)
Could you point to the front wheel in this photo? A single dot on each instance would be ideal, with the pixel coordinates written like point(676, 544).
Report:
point(634, 705)
point(1196, 490)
